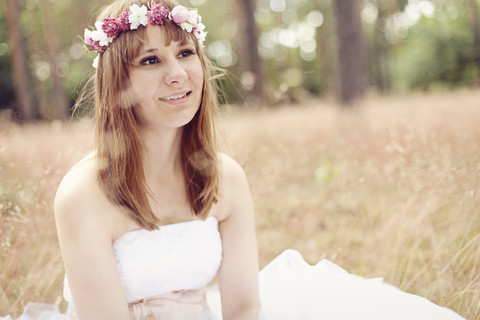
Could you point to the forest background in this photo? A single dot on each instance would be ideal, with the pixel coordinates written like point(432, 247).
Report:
point(357, 122)
point(306, 49)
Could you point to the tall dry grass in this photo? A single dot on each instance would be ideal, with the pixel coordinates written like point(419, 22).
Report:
point(33, 160)
point(391, 189)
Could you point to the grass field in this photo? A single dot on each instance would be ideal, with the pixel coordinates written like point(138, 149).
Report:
point(391, 189)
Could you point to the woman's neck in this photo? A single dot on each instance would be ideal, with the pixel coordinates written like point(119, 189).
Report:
point(164, 174)
point(162, 154)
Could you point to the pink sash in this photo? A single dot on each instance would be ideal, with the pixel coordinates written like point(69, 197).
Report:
point(177, 305)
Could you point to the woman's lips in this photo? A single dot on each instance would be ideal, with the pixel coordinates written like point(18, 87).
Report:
point(176, 97)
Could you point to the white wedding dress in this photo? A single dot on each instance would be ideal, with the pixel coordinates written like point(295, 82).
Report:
point(166, 274)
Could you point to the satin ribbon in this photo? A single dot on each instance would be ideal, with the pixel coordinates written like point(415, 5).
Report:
point(176, 305)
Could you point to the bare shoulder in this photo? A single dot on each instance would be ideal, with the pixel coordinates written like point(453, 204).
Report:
point(234, 187)
point(78, 185)
point(230, 169)
point(232, 175)
point(79, 202)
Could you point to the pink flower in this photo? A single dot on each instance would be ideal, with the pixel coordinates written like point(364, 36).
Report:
point(97, 47)
point(157, 14)
point(87, 36)
point(123, 21)
point(110, 27)
point(179, 14)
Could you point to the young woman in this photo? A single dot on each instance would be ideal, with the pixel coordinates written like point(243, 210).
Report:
point(137, 221)
point(156, 212)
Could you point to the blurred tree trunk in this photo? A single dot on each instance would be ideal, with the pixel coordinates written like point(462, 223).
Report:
point(380, 52)
point(41, 89)
point(59, 108)
point(249, 61)
point(18, 61)
point(351, 51)
point(476, 29)
point(326, 49)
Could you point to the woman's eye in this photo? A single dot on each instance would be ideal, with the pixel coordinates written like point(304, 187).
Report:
point(149, 60)
point(185, 53)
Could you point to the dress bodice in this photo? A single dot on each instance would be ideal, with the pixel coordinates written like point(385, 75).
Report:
point(176, 257)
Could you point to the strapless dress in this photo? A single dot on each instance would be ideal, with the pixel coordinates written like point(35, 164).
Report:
point(164, 273)
point(167, 274)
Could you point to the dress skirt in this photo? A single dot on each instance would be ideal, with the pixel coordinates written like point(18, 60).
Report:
point(291, 289)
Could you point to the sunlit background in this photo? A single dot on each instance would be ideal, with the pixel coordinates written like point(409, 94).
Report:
point(412, 45)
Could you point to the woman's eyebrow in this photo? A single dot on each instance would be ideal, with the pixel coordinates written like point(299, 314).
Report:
point(150, 50)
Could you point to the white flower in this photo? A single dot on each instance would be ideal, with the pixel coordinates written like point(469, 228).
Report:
point(95, 62)
point(193, 17)
point(200, 35)
point(199, 32)
point(98, 25)
point(138, 16)
point(100, 35)
point(186, 26)
point(200, 27)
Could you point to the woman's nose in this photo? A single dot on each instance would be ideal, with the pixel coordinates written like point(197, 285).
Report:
point(175, 73)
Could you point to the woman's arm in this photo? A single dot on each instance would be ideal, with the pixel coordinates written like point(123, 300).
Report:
point(84, 230)
point(238, 275)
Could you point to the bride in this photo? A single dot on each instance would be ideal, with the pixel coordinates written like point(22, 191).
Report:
point(148, 220)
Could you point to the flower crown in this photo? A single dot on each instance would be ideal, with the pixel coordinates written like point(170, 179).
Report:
point(155, 14)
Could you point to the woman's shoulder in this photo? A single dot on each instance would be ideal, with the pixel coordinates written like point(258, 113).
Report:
point(232, 174)
point(79, 197)
point(233, 185)
point(79, 182)
point(230, 168)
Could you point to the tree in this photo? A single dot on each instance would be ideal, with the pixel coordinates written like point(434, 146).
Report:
point(53, 46)
point(379, 51)
point(351, 51)
point(249, 62)
point(18, 61)
point(476, 29)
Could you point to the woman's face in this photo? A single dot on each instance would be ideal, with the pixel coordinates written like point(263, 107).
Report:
point(166, 81)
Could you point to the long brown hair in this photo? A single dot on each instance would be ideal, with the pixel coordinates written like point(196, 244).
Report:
point(118, 145)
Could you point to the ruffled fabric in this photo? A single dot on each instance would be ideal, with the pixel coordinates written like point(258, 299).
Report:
point(40, 311)
point(290, 288)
